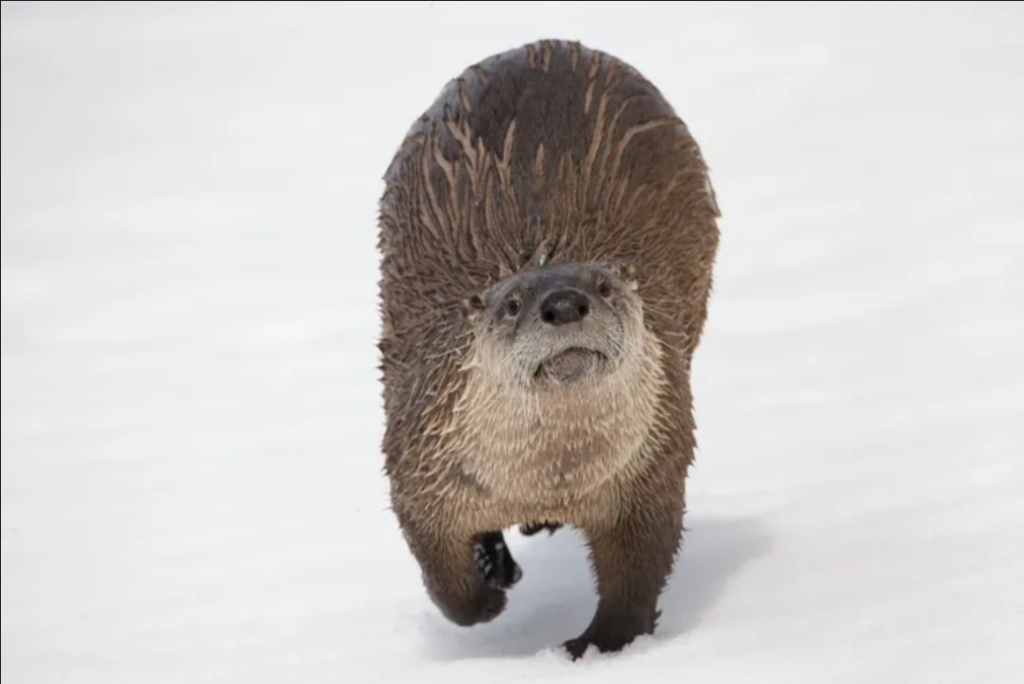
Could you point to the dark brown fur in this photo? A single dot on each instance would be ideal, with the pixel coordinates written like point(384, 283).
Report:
point(553, 153)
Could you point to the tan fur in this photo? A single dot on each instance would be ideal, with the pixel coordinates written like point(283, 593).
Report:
point(542, 455)
point(548, 154)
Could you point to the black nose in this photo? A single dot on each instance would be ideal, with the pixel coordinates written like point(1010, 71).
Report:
point(564, 306)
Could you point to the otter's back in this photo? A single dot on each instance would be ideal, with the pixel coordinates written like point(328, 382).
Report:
point(548, 151)
point(550, 143)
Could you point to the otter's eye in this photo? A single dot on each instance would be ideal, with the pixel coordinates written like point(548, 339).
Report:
point(604, 288)
point(513, 306)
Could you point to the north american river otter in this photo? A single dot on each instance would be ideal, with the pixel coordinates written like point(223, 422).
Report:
point(548, 232)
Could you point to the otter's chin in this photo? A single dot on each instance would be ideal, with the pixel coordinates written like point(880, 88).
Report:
point(570, 366)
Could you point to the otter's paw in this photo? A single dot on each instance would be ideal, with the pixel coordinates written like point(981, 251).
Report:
point(482, 604)
point(531, 529)
point(609, 635)
point(608, 642)
point(494, 561)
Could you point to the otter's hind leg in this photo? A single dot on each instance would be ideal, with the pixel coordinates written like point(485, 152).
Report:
point(494, 561)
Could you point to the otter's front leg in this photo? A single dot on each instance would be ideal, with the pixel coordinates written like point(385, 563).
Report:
point(632, 558)
point(451, 576)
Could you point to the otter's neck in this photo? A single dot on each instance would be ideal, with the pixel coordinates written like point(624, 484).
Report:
point(539, 447)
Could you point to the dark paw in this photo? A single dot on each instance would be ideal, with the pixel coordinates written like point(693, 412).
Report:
point(609, 636)
point(494, 561)
point(530, 529)
point(605, 643)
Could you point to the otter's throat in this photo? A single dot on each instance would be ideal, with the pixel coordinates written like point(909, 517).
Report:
point(539, 447)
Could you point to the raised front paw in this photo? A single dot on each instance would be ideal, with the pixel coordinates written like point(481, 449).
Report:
point(494, 561)
point(482, 603)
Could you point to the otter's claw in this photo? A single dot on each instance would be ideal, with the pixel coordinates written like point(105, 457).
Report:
point(494, 561)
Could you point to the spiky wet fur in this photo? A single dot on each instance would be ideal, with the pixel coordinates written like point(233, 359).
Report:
point(551, 153)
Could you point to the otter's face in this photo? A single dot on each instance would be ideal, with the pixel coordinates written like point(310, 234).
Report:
point(557, 325)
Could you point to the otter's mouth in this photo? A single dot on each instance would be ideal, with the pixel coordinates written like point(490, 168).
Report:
point(570, 365)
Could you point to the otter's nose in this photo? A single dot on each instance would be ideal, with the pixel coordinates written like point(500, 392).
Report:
point(564, 306)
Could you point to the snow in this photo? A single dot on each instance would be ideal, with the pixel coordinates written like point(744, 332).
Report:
point(191, 417)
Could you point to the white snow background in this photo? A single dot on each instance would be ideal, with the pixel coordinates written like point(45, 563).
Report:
point(192, 486)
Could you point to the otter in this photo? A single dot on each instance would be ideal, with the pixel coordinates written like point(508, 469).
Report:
point(547, 234)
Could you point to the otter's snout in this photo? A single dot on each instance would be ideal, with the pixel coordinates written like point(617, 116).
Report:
point(560, 324)
point(564, 306)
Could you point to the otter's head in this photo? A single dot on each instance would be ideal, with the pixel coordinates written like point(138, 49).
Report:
point(558, 325)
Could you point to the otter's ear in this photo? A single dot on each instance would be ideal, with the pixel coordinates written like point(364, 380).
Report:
point(472, 304)
point(627, 274)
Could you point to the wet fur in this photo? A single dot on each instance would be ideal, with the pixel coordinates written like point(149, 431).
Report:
point(557, 154)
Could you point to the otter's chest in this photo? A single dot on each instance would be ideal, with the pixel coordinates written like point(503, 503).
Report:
point(541, 450)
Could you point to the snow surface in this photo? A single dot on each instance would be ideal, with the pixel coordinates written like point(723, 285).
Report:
point(191, 418)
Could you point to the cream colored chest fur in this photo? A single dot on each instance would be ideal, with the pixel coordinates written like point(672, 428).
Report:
point(539, 452)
